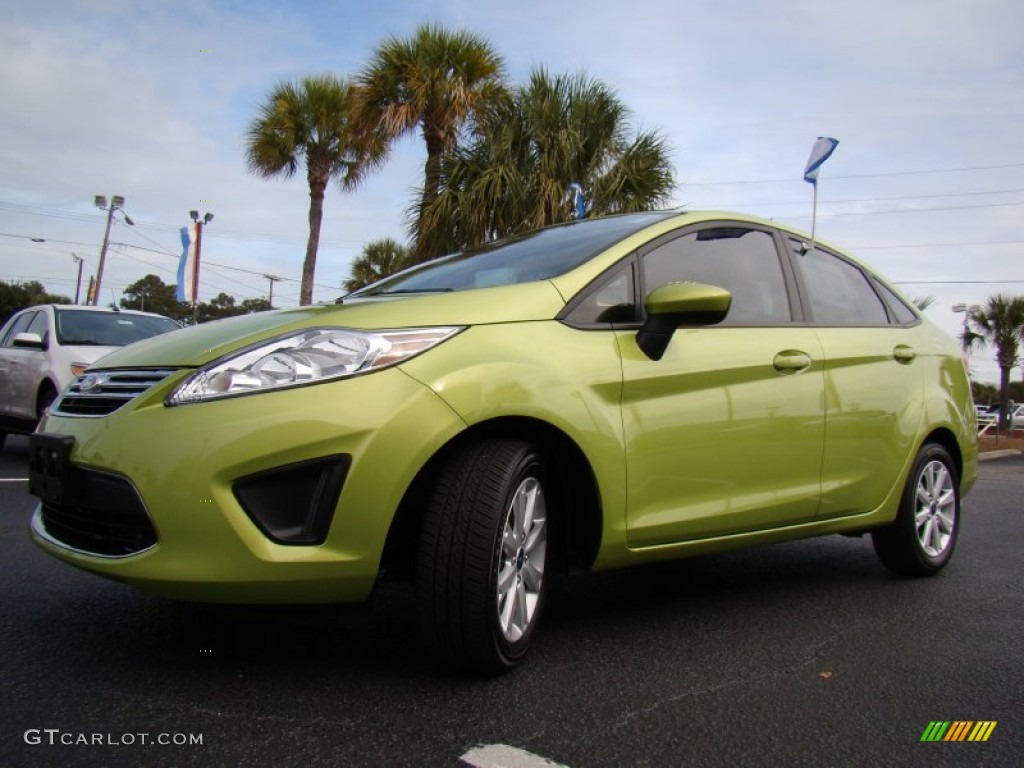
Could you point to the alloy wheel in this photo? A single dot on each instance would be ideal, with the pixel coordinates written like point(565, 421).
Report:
point(521, 558)
point(935, 518)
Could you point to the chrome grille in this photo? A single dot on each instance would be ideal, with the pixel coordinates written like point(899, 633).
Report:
point(102, 392)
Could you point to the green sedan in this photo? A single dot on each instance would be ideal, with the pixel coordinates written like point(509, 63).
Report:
point(593, 395)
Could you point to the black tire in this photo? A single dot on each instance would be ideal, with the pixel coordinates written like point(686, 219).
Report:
point(47, 394)
point(468, 542)
point(3, 439)
point(922, 538)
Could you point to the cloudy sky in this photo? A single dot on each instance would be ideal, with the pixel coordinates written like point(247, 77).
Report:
point(151, 101)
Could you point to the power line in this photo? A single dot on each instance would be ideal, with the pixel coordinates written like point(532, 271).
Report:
point(48, 240)
point(902, 210)
point(227, 234)
point(163, 252)
point(214, 269)
point(877, 199)
point(165, 269)
point(933, 245)
point(860, 175)
point(154, 242)
point(956, 282)
point(206, 262)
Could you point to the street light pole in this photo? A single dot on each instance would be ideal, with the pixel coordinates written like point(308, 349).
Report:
point(78, 284)
point(116, 203)
point(207, 218)
point(966, 309)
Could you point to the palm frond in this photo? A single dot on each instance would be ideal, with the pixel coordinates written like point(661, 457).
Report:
point(527, 149)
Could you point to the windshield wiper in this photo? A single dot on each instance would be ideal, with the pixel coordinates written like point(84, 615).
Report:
point(85, 343)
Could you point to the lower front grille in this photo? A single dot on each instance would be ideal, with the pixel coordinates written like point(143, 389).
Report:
point(104, 517)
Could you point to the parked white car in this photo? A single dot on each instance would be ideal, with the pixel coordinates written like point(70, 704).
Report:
point(43, 349)
point(989, 415)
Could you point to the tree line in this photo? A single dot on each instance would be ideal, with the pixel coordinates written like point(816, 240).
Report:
point(499, 157)
point(149, 294)
point(14, 297)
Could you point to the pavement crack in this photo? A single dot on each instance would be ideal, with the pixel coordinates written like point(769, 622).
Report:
point(808, 656)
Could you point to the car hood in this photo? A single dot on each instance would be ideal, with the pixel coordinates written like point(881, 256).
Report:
point(200, 344)
point(87, 353)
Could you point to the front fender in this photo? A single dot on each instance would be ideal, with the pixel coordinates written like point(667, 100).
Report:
point(568, 378)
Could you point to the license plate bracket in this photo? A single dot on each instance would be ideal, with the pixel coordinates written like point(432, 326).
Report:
point(50, 469)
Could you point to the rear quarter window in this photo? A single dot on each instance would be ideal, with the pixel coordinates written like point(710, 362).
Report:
point(838, 292)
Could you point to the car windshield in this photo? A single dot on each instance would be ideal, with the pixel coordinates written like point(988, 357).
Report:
point(108, 329)
point(538, 255)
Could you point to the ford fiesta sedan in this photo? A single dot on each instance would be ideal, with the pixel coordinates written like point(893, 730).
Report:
point(599, 394)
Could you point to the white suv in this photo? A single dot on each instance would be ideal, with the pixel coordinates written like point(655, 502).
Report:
point(43, 348)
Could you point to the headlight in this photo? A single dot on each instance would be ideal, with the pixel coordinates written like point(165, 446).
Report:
point(307, 357)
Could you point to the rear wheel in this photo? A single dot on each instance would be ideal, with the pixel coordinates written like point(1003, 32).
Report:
point(921, 540)
point(482, 556)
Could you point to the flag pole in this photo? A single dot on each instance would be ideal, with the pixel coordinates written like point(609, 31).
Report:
point(814, 213)
point(195, 273)
point(820, 152)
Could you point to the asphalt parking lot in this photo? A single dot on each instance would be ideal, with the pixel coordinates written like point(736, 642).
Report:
point(800, 654)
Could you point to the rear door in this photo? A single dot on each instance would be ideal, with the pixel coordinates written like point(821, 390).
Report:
point(873, 379)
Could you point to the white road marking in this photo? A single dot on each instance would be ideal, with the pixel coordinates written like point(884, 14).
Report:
point(504, 756)
point(13, 479)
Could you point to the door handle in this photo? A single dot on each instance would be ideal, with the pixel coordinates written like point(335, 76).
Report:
point(791, 361)
point(904, 354)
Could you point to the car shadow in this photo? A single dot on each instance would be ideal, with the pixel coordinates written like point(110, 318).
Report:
point(118, 631)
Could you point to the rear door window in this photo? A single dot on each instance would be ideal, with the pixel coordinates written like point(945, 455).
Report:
point(838, 292)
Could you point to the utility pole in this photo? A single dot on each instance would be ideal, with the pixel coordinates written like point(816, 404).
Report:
point(116, 204)
point(273, 279)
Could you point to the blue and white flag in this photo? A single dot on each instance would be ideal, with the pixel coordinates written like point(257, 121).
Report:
point(187, 265)
point(577, 200)
point(820, 152)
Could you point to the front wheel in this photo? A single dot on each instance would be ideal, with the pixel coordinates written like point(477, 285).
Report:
point(480, 573)
point(921, 540)
point(47, 394)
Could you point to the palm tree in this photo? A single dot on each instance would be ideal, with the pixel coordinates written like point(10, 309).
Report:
point(923, 302)
point(1000, 322)
point(379, 259)
point(312, 120)
point(437, 80)
point(553, 131)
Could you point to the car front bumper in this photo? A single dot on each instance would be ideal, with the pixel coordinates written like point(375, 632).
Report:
point(185, 463)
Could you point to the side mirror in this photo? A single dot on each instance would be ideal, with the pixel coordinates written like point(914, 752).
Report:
point(28, 341)
point(677, 305)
